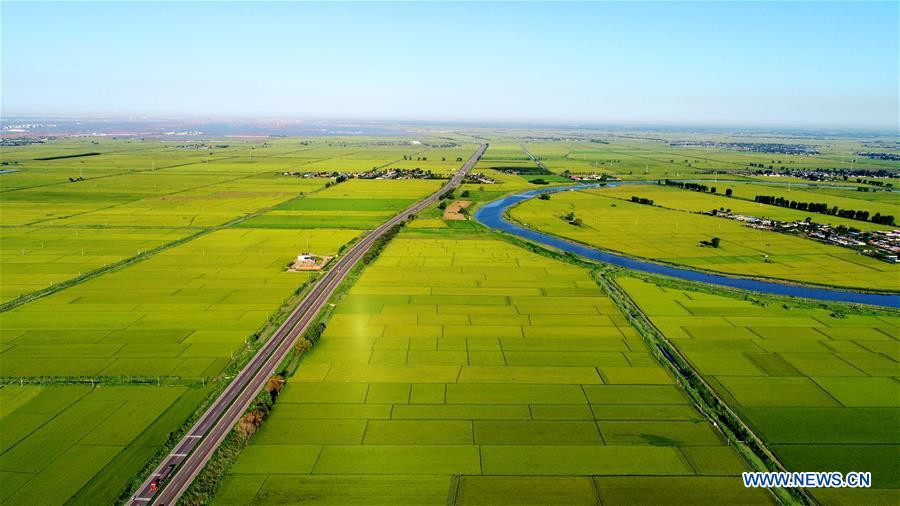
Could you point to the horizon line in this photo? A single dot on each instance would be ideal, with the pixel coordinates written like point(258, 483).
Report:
point(482, 122)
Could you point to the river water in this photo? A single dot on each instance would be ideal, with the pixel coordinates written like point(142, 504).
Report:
point(492, 215)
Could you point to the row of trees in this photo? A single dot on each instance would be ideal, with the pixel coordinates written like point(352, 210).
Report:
point(381, 243)
point(338, 179)
point(823, 208)
point(641, 200)
point(874, 182)
point(813, 207)
point(697, 187)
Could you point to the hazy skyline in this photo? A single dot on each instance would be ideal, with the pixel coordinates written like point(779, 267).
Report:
point(753, 64)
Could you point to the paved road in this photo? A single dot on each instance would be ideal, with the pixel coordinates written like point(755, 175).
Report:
point(533, 159)
point(182, 465)
point(528, 153)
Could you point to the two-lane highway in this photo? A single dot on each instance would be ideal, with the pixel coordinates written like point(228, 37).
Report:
point(176, 472)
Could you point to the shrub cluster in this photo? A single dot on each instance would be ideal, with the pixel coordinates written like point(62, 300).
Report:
point(571, 219)
point(207, 482)
point(380, 243)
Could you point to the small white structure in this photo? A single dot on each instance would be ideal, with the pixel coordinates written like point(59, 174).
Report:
point(308, 262)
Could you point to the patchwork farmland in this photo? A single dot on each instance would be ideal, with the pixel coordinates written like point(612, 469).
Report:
point(457, 365)
point(183, 312)
point(819, 386)
point(80, 444)
point(355, 204)
point(166, 275)
point(319, 254)
point(463, 365)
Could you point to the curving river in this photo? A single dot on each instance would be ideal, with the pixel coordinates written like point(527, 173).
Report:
point(492, 215)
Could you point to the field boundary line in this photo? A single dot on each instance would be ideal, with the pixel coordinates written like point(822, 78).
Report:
point(218, 421)
point(104, 176)
point(537, 162)
point(453, 492)
point(111, 206)
point(718, 413)
point(218, 383)
point(144, 255)
point(98, 381)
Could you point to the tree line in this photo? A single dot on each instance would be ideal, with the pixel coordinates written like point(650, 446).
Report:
point(697, 187)
point(823, 208)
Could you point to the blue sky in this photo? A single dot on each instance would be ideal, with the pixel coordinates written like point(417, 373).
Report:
point(823, 64)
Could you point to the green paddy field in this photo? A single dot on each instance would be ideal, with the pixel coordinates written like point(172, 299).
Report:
point(673, 234)
point(355, 204)
point(741, 201)
point(653, 156)
point(137, 275)
point(819, 387)
point(81, 445)
point(84, 352)
point(180, 313)
point(466, 367)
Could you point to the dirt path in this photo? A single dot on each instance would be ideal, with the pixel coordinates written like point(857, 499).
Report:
point(452, 212)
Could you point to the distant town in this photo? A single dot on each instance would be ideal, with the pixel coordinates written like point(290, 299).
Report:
point(340, 176)
point(752, 147)
point(821, 174)
point(881, 244)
